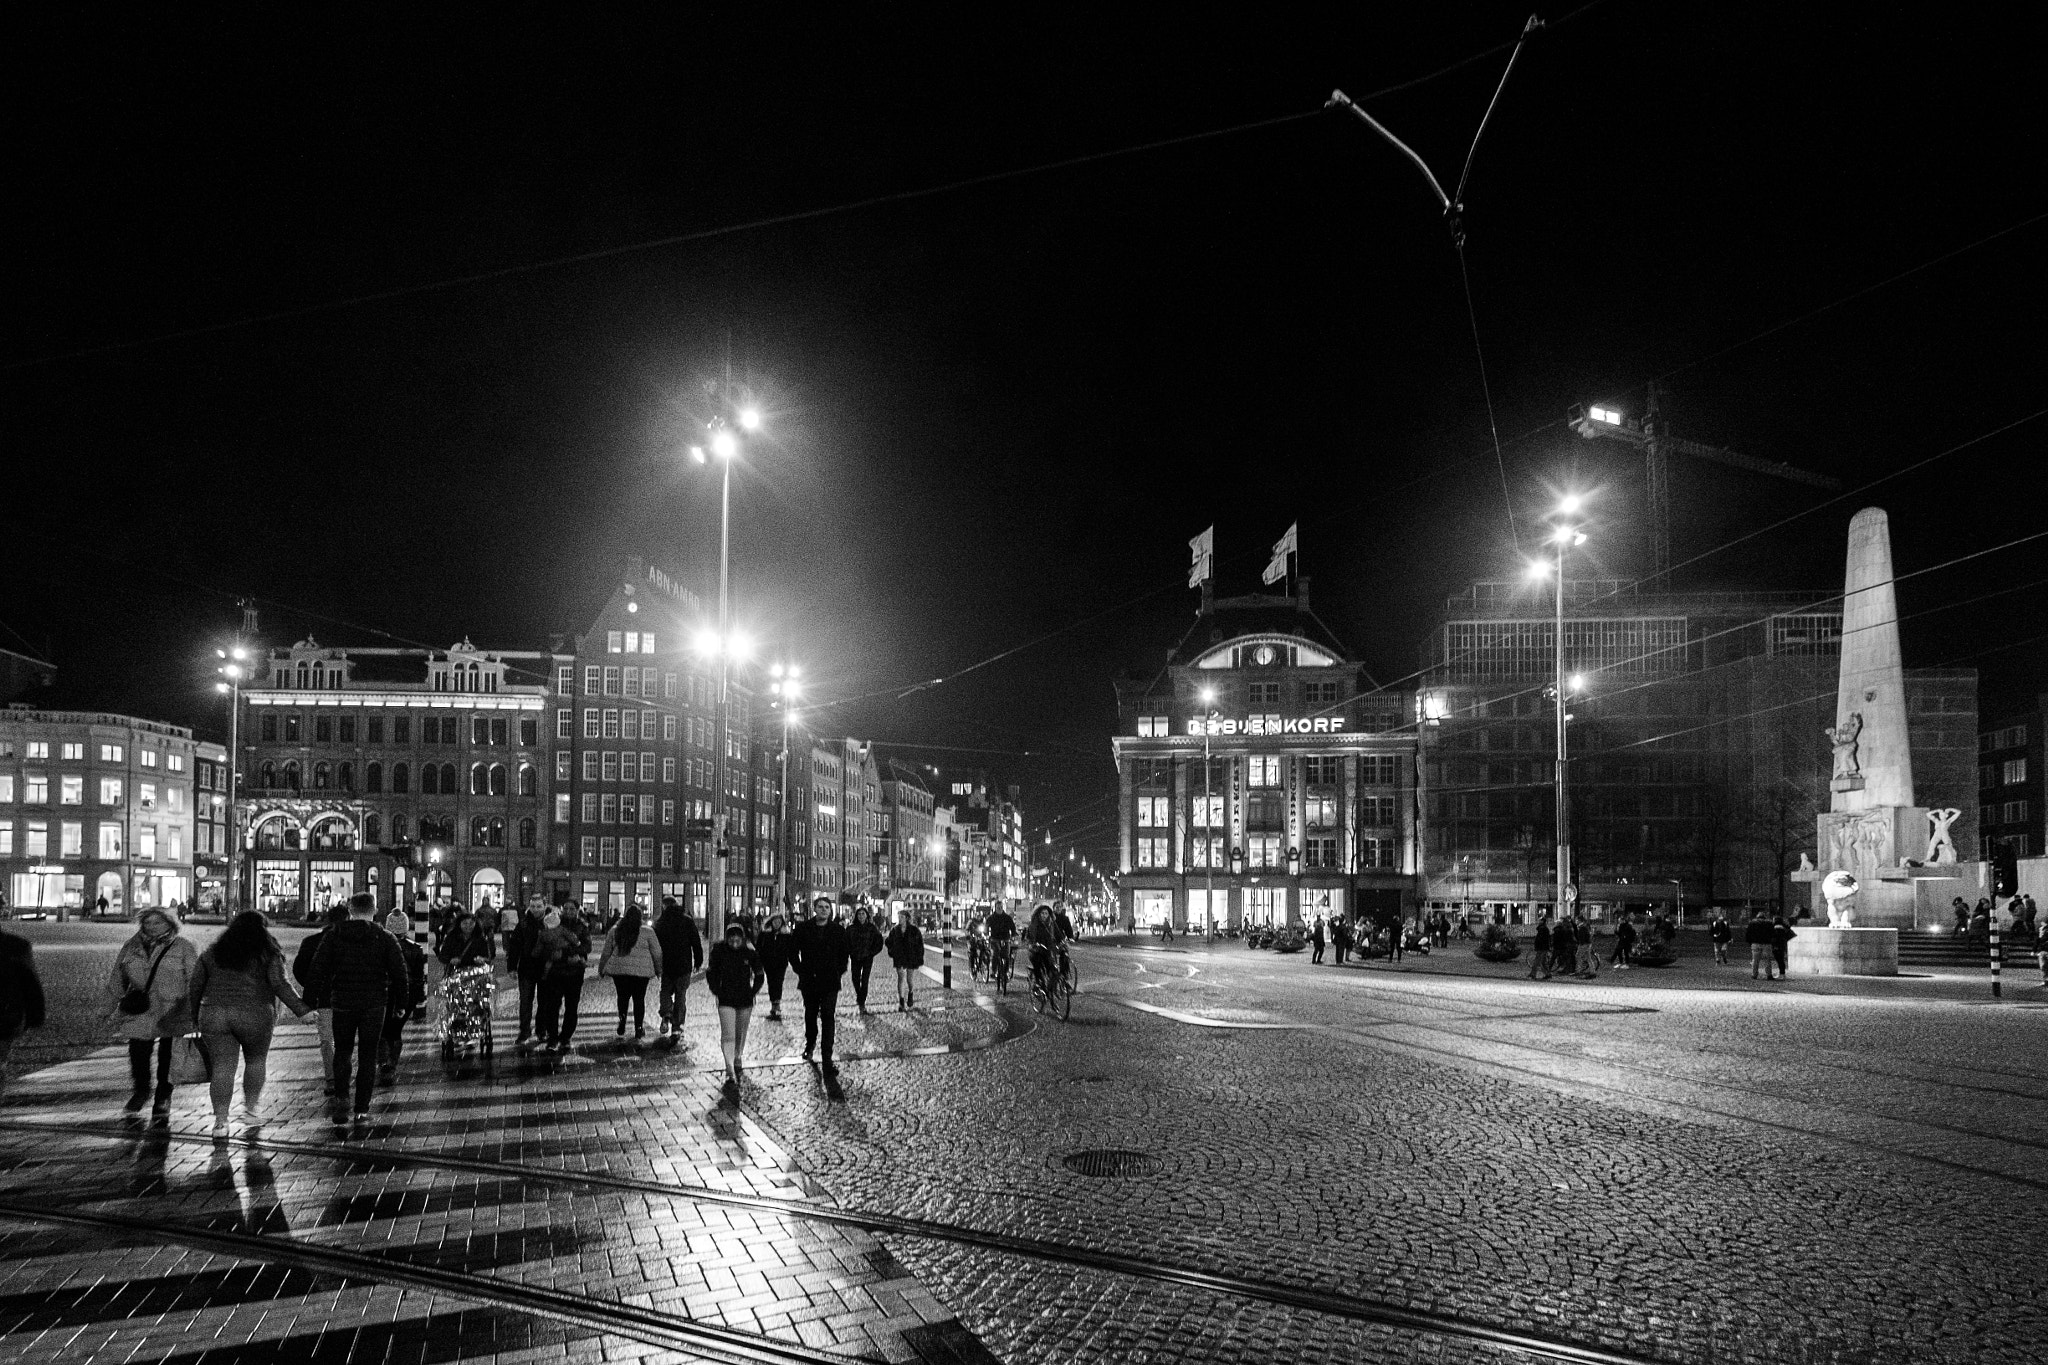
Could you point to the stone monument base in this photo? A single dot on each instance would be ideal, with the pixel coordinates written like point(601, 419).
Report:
point(1820, 951)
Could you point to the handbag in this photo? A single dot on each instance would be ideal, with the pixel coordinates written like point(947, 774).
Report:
point(189, 1063)
point(136, 1001)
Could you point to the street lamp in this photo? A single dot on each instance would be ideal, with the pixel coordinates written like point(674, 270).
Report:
point(1564, 536)
point(1208, 818)
point(724, 443)
point(785, 685)
point(232, 671)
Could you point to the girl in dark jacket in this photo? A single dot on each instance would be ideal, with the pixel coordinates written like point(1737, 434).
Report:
point(734, 975)
point(906, 950)
point(773, 948)
point(867, 943)
point(466, 945)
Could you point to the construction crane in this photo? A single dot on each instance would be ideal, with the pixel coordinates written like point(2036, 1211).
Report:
point(1658, 446)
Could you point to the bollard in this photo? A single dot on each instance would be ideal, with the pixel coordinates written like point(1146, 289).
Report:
point(1994, 955)
point(946, 959)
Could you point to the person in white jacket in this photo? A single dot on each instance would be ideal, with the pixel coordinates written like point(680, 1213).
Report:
point(152, 976)
point(631, 958)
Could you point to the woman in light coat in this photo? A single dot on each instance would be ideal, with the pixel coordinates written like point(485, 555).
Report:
point(156, 962)
point(631, 958)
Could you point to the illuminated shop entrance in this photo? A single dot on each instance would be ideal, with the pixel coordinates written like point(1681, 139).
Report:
point(1199, 909)
point(1266, 905)
point(1152, 908)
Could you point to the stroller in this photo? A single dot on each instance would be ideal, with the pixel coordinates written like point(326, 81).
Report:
point(466, 1009)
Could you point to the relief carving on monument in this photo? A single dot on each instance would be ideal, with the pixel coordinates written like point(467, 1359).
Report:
point(1848, 770)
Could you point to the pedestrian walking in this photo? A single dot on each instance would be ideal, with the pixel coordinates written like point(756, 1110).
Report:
point(631, 958)
point(412, 1006)
point(21, 996)
point(821, 950)
point(565, 942)
point(362, 973)
point(1316, 938)
point(314, 996)
point(236, 986)
point(906, 953)
point(523, 956)
point(1589, 961)
point(1539, 955)
point(735, 976)
point(1624, 945)
point(682, 952)
point(865, 944)
point(152, 976)
point(1720, 933)
point(773, 945)
point(1781, 941)
point(1340, 938)
point(1757, 934)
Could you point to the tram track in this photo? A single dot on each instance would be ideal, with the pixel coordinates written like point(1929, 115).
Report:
point(609, 1317)
point(1321, 1301)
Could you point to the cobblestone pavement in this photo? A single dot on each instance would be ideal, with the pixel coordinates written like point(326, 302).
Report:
point(1368, 1164)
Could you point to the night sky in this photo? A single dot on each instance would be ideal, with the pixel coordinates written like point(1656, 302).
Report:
point(998, 411)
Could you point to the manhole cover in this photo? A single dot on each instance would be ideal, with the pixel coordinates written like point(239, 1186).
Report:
point(1112, 1162)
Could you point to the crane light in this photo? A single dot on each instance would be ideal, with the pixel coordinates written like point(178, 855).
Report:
point(1611, 416)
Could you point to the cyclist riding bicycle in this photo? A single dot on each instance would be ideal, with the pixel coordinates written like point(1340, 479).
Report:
point(1000, 925)
point(1045, 934)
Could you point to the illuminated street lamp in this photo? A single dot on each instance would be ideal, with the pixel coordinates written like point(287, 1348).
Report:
point(1564, 535)
point(232, 671)
point(785, 686)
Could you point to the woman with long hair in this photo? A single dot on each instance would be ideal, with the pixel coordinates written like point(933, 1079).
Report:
point(235, 990)
point(906, 951)
point(867, 943)
point(735, 976)
point(468, 944)
point(772, 943)
point(631, 958)
point(152, 975)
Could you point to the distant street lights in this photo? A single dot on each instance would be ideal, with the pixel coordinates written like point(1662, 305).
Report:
point(1564, 536)
point(724, 442)
point(232, 672)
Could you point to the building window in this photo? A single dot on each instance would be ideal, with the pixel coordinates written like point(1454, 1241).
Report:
point(109, 753)
point(1320, 811)
point(38, 841)
point(611, 765)
point(611, 724)
point(587, 851)
point(39, 748)
point(375, 730)
point(608, 804)
point(175, 762)
point(590, 715)
point(323, 776)
point(561, 808)
point(373, 829)
point(1203, 848)
point(611, 681)
point(1322, 693)
point(668, 686)
point(629, 806)
point(399, 778)
point(401, 729)
point(71, 790)
point(1152, 812)
point(607, 851)
point(71, 839)
point(565, 679)
point(1263, 850)
point(1262, 694)
point(6, 789)
point(346, 777)
point(323, 729)
point(500, 777)
point(526, 832)
point(529, 780)
point(1263, 770)
point(430, 780)
point(564, 723)
point(1320, 770)
point(479, 730)
point(110, 791)
point(590, 808)
point(1152, 851)
point(373, 778)
point(266, 776)
point(2015, 770)
point(668, 855)
point(613, 642)
point(73, 753)
point(348, 730)
point(668, 812)
point(1319, 853)
point(529, 732)
point(629, 724)
point(1379, 770)
point(110, 840)
point(2015, 812)
point(1153, 727)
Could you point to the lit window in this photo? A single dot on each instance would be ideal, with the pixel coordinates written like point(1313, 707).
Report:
point(647, 642)
point(668, 812)
point(38, 839)
point(1152, 727)
point(6, 789)
point(74, 753)
point(38, 748)
point(110, 791)
point(612, 645)
point(109, 753)
point(6, 839)
point(146, 842)
point(632, 642)
point(1208, 812)
point(1152, 812)
point(71, 840)
point(1152, 851)
point(176, 762)
point(561, 808)
point(72, 791)
point(174, 797)
point(587, 848)
point(1264, 770)
point(2015, 770)
point(110, 841)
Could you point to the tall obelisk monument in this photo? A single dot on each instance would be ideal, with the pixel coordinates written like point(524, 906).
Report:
point(1872, 826)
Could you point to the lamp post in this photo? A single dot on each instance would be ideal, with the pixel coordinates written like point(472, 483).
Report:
point(724, 442)
point(785, 686)
point(1208, 818)
point(233, 672)
point(1564, 536)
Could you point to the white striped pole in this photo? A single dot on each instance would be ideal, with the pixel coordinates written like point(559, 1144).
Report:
point(1995, 955)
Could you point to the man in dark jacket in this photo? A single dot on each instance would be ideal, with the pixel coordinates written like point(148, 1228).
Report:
point(682, 953)
point(820, 949)
point(524, 956)
point(1757, 934)
point(361, 971)
point(414, 1003)
point(315, 995)
point(21, 996)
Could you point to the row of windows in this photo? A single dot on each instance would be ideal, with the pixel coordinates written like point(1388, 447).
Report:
point(629, 642)
point(1207, 812)
point(612, 723)
point(611, 808)
point(35, 843)
point(1155, 852)
point(436, 779)
point(2010, 737)
point(614, 681)
point(35, 791)
point(615, 766)
point(607, 851)
point(73, 751)
point(2013, 770)
point(2007, 812)
point(1269, 770)
point(288, 727)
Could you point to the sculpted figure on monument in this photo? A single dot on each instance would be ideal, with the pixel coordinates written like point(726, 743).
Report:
point(1838, 889)
point(1940, 847)
point(1843, 737)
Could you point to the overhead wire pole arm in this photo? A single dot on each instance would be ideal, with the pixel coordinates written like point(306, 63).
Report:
point(1339, 100)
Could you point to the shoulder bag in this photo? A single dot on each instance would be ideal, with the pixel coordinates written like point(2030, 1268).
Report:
point(136, 1001)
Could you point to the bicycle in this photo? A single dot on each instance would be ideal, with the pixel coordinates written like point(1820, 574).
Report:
point(978, 959)
point(1053, 990)
point(1002, 963)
